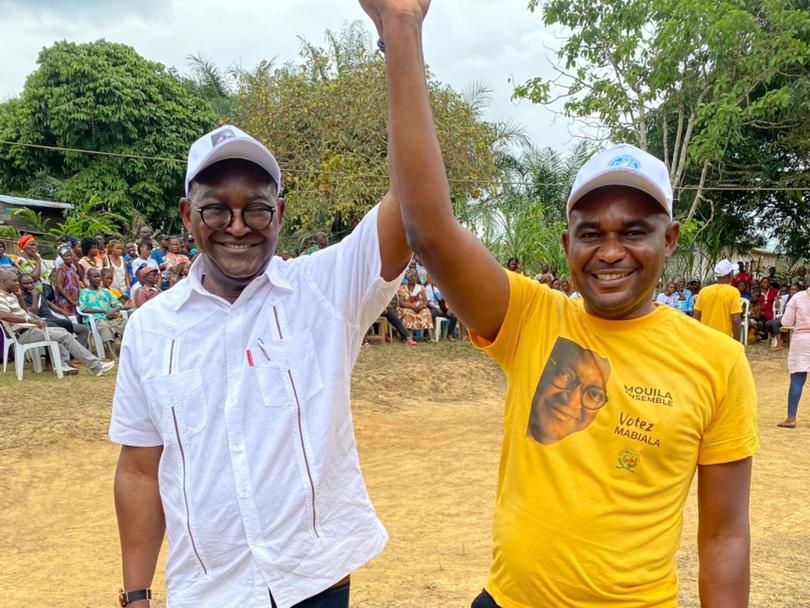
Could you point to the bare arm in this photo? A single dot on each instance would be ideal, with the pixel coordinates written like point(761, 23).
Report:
point(140, 515)
point(697, 315)
point(736, 325)
point(394, 250)
point(723, 534)
point(451, 254)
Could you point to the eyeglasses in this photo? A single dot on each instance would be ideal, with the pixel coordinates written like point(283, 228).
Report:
point(219, 217)
point(566, 379)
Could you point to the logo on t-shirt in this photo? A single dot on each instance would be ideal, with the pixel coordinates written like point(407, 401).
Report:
point(628, 460)
point(570, 393)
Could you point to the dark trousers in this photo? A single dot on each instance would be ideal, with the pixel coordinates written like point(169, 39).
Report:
point(336, 597)
point(442, 312)
point(395, 321)
point(484, 601)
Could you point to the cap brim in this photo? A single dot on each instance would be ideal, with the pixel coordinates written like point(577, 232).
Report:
point(243, 149)
point(620, 176)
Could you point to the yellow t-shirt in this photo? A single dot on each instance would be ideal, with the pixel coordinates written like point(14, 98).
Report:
point(605, 422)
point(716, 303)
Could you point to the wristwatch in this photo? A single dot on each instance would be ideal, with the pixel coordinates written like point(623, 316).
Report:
point(127, 597)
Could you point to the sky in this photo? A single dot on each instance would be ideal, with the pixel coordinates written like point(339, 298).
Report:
point(466, 41)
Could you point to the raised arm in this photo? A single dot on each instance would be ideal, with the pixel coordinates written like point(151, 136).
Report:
point(723, 534)
point(470, 278)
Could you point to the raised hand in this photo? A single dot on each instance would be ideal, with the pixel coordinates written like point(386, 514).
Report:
point(380, 10)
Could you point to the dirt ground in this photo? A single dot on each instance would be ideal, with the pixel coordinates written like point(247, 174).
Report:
point(428, 425)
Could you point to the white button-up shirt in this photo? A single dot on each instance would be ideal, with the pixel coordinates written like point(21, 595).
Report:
point(259, 477)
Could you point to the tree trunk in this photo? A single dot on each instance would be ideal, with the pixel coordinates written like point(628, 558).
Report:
point(699, 192)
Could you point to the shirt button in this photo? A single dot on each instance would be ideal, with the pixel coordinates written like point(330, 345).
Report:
point(237, 447)
point(243, 493)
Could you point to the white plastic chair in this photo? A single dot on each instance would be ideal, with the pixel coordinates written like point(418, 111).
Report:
point(438, 324)
point(10, 339)
point(94, 330)
point(745, 318)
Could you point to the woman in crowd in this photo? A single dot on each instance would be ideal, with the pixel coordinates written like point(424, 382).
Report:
point(29, 261)
point(513, 264)
point(67, 282)
point(114, 260)
point(413, 306)
point(89, 258)
point(144, 259)
point(175, 262)
point(565, 286)
point(6, 262)
point(797, 318)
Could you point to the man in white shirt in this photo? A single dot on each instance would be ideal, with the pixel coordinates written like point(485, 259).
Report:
point(235, 429)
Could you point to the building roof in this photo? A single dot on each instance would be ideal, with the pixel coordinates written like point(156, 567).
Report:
point(18, 201)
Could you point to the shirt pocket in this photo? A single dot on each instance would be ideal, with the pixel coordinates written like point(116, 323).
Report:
point(178, 397)
point(288, 371)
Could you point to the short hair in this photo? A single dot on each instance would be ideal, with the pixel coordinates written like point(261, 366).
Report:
point(147, 244)
point(105, 272)
point(88, 243)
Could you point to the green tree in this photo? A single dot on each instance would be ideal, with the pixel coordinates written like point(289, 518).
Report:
point(684, 71)
point(324, 118)
point(525, 217)
point(105, 97)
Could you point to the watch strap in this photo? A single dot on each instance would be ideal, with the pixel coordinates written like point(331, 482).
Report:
point(128, 597)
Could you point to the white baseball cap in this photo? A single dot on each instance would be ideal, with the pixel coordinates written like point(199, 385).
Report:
point(723, 267)
point(225, 143)
point(623, 165)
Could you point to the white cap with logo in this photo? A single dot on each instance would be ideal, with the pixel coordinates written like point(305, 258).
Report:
point(225, 143)
point(624, 165)
point(723, 267)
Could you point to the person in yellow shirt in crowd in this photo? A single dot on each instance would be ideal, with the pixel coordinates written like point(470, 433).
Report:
point(719, 305)
point(612, 404)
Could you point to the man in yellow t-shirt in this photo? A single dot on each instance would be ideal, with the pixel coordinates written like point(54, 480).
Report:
point(719, 305)
point(613, 404)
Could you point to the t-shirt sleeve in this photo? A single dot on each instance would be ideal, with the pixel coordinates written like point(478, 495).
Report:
point(522, 291)
point(735, 304)
point(348, 274)
point(732, 433)
point(131, 423)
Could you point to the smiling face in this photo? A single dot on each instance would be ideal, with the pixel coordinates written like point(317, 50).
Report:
point(27, 283)
point(570, 394)
point(616, 243)
point(132, 250)
point(236, 254)
point(30, 250)
point(764, 284)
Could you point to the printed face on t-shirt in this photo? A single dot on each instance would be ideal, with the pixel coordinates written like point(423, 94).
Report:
point(570, 393)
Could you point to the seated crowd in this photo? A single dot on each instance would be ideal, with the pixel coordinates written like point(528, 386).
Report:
point(94, 283)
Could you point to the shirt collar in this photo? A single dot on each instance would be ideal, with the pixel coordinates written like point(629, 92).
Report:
point(274, 274)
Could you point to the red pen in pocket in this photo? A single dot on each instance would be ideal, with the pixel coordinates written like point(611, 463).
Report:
point(249, 357)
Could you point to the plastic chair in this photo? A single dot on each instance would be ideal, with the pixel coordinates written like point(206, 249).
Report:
point(99, 343)
point(745, 318)
point(10, 339)
point(440, 325)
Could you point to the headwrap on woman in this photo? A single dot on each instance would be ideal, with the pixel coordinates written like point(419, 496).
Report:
point(63, 249)
point(24, 241)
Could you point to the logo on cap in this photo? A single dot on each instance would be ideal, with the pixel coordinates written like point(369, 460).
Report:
point(222, 136)
point(625, 160)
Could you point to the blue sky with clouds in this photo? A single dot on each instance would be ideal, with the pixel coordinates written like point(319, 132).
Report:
point(491, 41)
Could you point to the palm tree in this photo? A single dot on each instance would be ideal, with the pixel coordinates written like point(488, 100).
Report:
point(525, 217)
